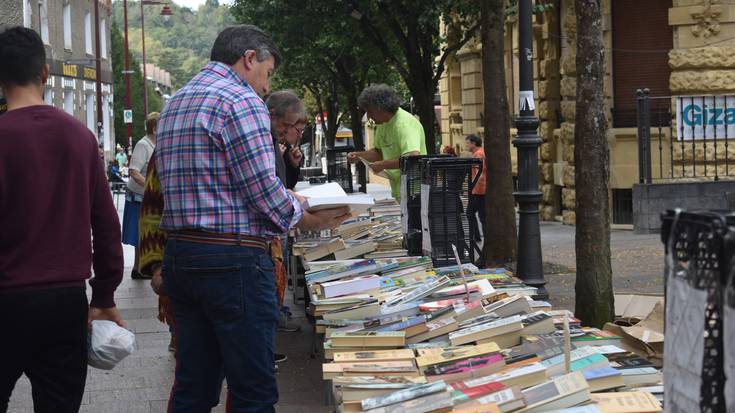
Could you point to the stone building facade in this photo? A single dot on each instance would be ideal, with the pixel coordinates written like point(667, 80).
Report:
point(67, 29)
point(672, 47)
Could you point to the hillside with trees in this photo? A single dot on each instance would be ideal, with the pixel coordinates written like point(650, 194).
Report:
point(180, 45)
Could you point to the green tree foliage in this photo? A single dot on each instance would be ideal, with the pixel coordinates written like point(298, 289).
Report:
point(180, 46)
point(136, 91)
point(407, 34)
point(323, 55)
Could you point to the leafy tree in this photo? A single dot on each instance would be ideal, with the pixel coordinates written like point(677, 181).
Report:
point(593, 288)
point(323, 55)
point(407, 34)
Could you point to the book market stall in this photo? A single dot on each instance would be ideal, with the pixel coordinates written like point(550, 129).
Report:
point(406, 322)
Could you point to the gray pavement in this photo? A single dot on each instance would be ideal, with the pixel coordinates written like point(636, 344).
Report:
point(142, 382)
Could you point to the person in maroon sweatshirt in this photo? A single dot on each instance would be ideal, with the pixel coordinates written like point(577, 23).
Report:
point(57, 222)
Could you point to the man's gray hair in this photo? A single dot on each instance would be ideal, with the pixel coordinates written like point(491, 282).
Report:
point(381, 97)
point(234, 41)
point(284, 101)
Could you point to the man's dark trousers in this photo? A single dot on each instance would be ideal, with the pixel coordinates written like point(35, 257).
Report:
point(224, 301)
point(46, 339)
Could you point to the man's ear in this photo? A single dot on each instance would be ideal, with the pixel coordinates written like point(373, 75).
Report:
point(44, 74)
point(248, 58)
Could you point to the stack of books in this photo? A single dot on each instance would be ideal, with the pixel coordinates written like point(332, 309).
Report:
point(404, 336)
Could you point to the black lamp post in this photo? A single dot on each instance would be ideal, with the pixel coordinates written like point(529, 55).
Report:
point(528, 195)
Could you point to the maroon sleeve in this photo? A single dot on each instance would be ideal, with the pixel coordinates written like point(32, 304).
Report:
point(107, 252)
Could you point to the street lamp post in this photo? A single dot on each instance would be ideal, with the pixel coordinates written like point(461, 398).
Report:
point(528, 196)
point(128, 104)
point(98, 70)
point(166, 13)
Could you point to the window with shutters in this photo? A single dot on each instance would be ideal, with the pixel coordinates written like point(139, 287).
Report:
point(642, 38)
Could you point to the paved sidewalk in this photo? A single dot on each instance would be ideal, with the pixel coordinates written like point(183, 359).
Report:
point(143, 381)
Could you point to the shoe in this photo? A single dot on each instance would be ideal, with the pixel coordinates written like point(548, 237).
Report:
point(279, 358)
point(286, 326)
point(137, 275)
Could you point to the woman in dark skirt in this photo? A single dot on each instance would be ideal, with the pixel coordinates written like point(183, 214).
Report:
point(136, 185)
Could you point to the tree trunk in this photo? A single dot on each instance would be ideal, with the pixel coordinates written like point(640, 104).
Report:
point(424, 101)
point(593, 289)
point(500, 232)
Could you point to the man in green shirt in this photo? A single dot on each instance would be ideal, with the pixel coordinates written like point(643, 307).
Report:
point(398, 133)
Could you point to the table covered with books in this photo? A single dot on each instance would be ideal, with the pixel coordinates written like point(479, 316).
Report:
point(401, 334)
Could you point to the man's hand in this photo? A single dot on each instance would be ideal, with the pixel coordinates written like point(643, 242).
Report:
point(353, 157)
point(157, 281)
point(295, 155)
point(281, 148)
point(324, 219)
point(377, 167)
point(298, 197)
point(111, 314)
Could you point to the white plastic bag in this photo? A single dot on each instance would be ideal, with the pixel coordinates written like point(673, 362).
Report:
point(108, 344)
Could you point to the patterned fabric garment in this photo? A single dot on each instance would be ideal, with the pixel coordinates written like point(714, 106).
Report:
point(215, 160)
point(152, 237)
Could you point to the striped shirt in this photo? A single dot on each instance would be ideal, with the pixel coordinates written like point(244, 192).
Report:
point(215, 160)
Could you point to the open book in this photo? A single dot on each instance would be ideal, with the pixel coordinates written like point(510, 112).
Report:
point(369, 166)
point(332, 195)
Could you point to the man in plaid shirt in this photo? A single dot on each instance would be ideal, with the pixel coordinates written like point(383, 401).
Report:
point(222, 206)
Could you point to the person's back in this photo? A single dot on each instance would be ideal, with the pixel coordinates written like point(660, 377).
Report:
point(53, 196)
point(48, 166)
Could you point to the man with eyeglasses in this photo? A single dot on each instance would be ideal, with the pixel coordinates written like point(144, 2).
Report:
point(288, 119)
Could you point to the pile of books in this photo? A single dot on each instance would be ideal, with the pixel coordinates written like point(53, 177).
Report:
point(375, 233)
point(403, 336)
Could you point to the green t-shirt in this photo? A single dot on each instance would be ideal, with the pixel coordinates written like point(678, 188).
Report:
point(401, 135)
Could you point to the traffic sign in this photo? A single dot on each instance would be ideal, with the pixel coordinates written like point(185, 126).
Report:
point(128, 116)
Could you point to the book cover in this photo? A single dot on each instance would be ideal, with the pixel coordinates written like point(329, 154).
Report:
point(456, 353)
point(626, 402)
point(403, 395)
point(461, 393)
point(436, 402)
point(557, 393)
point(481, 331)
point(374, 355)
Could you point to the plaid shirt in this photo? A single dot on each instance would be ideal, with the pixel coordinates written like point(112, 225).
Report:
point(216, 162)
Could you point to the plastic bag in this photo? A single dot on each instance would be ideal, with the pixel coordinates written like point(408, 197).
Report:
point(108, 344)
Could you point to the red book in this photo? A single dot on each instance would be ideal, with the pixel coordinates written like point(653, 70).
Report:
point(463, 393)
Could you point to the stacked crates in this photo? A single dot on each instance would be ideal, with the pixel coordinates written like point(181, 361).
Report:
point(411, 201)
point(338, 169)
point(446, 185)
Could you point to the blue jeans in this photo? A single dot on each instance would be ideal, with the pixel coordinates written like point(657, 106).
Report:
point(224, 305)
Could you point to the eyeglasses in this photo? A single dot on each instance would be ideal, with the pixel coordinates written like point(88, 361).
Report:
point(295, 127)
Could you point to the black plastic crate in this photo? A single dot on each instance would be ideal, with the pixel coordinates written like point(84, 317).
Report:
point(446, 187)
point(700, 248)
point(338, 169)
point(411, 201)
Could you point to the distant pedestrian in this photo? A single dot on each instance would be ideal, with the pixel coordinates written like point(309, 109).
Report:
point(398, 133)
point(53, 195)
point(136, 187)
point(223, 207)
point(122, 158)
point(476, 205)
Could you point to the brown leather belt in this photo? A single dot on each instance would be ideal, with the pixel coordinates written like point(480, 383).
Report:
point(216, 238)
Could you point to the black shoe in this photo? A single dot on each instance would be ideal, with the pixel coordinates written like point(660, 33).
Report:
point(137, 275)
point(279, 358)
